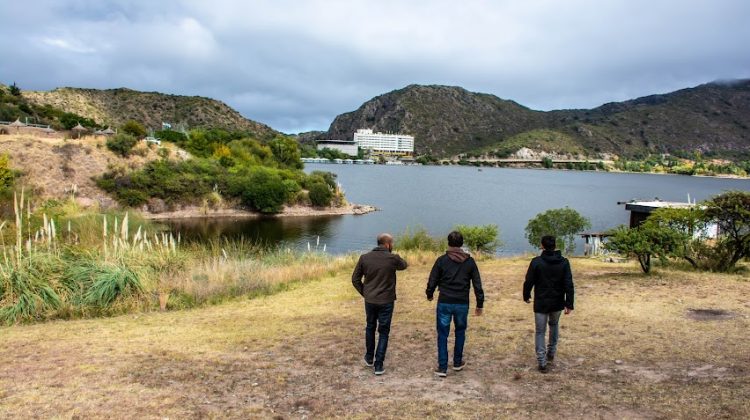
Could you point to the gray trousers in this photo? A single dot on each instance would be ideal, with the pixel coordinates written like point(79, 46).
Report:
point(542, 320)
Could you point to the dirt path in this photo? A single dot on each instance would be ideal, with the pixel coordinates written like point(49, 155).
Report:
point(628, 351)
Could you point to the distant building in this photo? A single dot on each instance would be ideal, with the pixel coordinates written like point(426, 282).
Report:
point(385, 144)
point(641, 209)
point(343, 146)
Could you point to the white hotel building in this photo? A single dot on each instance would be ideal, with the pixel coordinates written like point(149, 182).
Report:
point(384, 144)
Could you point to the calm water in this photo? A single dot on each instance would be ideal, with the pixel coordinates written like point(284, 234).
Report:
point(438, 198)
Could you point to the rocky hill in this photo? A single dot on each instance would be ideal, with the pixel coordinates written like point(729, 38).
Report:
point(115, 106)
point(713, 118)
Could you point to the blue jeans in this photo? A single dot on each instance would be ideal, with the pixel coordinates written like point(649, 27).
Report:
point(378, 317)
point(542, 320)
point(459, 314)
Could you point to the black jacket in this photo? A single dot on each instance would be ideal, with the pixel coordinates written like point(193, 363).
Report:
point(550, 276)
point(454, 274)
point(378, 267)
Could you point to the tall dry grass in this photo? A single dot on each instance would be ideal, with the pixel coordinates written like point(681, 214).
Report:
point(103, 264)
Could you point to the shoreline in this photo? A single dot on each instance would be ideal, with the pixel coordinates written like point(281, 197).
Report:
point(614, 171)
point(195, 212)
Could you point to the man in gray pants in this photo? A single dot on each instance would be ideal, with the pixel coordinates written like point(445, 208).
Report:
point(550, 277)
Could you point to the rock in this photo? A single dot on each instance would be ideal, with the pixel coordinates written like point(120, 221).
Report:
point(156, 205)
point(85, 202)
point(618, 362)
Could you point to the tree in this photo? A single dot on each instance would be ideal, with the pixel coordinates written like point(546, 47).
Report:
point(731, 213)
point(14, 89)
point(645, 241)
point(563, 223)
point(134, 128)
point(480, 238)
point(286, 152)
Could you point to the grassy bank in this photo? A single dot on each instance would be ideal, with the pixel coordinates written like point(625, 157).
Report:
point(91, 264)
point(630, 350)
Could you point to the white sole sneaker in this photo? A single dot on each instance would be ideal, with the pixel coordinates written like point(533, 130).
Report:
point(379, 372)
point(441, 374)
point(457, 368)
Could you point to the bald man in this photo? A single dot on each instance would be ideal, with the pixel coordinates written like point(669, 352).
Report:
point(378, 267)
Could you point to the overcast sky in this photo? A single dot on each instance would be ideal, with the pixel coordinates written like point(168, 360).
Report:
point(295, 65)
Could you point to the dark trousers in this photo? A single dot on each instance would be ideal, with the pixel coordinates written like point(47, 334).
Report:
point(378, 317)
point(446, 312)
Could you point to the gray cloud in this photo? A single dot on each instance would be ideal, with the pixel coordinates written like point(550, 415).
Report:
point(297, 64)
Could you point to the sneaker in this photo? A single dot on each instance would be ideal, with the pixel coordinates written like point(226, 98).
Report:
point(368, 362)
point(543, 369)
point(441, 372)
point(379, 369)
point(550, 357)
point(459, 366)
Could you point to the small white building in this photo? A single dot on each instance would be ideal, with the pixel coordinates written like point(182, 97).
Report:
point(384, 143)
point(344, 146)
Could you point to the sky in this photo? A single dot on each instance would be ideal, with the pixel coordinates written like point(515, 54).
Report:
point(295, 65)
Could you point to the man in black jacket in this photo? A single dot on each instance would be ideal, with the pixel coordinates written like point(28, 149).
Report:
point(550, 276)
point(454, 273)
point(378, 267)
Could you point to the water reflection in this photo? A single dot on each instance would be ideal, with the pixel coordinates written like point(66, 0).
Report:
point(269, 231)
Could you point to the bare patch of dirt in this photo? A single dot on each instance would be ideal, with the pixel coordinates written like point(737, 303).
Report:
point(709, 314)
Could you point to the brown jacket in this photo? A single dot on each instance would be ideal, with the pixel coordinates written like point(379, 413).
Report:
point(378, 267)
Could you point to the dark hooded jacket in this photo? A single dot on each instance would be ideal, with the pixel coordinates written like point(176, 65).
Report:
point(378, 267)
point(550, 276)
point(453, 273)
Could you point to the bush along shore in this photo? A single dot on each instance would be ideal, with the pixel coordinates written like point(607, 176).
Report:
point(103, 264)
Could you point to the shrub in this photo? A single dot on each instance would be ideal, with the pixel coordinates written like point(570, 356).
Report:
point(315, 177)
point(121, 144)
point(731, 212)
point(419, 240)
point(562, 223)
point(109, 282)
point(320, 195)
point(480, 238)
point(646, 241)
point(134, 128)
point(175, 137)
point(263, 190)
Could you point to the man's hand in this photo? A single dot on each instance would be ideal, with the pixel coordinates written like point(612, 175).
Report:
point(527, 300)
point(568, 311)
point(478, 312)
point(429, 298)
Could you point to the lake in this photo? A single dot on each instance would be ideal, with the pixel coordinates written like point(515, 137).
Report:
point(439, 197)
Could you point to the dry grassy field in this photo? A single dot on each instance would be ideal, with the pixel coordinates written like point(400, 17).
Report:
point(631, 349)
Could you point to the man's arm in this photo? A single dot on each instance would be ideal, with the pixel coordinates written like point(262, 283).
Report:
point(400, 263)
point(357, 277)
point(528, 284)
point(432, 281)
point(476, 282)
point(569, 288)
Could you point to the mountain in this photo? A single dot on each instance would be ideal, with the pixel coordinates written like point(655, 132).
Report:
point(115, 106)
point(713, 118)
point(444, 120)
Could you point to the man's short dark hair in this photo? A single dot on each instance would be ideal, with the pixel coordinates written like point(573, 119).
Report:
point(455, 239)
point(549, 242)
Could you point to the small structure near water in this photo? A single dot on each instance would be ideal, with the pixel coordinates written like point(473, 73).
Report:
point(593, 242)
